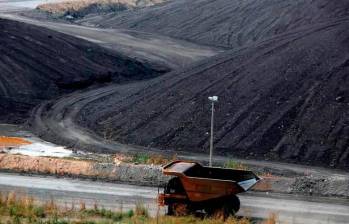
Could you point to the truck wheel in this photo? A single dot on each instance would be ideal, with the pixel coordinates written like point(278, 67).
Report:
point(235, 204)
point(223, 209)
point(220, 213)
point(170, 209)
point(178, 209)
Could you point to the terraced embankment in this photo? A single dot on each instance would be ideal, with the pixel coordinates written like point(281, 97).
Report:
point(116, 172)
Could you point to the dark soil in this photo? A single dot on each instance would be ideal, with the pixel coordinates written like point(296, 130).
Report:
point(283, 85)
point(37, 64)
point(285, 99)
point(228, 23)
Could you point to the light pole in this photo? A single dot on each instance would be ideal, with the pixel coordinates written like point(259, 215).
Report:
point(213, 99)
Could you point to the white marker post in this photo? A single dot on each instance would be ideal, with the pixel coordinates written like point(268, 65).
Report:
point(213, 99)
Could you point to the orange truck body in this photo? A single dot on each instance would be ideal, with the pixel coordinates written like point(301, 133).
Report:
point(202, 183)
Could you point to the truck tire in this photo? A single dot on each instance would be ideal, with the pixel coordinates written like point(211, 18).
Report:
point(178, 209)
point(223, 208)
point(235, 202)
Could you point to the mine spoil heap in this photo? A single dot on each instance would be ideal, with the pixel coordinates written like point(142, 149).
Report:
point(283, 86)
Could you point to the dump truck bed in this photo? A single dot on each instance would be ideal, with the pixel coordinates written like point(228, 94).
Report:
point(203, 183)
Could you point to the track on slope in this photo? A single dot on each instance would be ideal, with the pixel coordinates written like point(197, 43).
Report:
point(282, 99)
point(37, 64)
point(227, 23)
point(165, 52)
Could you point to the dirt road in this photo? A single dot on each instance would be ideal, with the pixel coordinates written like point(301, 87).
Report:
point(290, 209)
point(59, 122)
point(166, 51)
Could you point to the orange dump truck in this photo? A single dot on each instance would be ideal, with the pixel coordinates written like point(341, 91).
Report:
point(210, 190)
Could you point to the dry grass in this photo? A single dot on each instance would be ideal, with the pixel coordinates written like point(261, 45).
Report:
point(24, 209)
point(16, 209)
point(272, 219)
point(160, 160)
point(144, 158)
point(77, 5)
point(188, 220)
point(235, 165)
point(141, 210)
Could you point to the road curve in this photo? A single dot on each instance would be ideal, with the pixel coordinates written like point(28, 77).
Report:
point(165, 51)
point(57, 122)
point(290, 209)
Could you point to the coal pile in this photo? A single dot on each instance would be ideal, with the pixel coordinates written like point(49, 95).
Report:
point(37, 64)
point(226, 23)
point(284, 99)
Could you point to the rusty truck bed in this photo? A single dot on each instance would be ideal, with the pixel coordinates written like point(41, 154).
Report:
point(204, 183)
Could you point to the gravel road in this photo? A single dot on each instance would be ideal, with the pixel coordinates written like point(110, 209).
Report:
point(290, 209)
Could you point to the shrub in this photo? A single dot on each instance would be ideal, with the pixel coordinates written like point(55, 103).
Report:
point(235, 165)
point(140, 158)
point(39, 212)
point(130, 213)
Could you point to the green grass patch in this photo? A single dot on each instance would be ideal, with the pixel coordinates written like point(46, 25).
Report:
point(232, 164)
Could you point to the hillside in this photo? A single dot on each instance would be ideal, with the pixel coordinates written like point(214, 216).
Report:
point(284, 99)
point(37, 64)
point(227, 23)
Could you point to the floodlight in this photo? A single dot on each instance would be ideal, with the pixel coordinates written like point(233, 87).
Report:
point(213, 98)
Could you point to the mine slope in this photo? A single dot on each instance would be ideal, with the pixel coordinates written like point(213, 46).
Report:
point(228, 23)
point(283, 90)
point(284, 99)
point(37, 64)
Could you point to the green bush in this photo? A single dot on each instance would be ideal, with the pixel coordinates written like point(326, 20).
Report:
point(13, 210)
point(235, 165)
point(130, 214)
point(39, 212)
point(16, 220)
point(140, 158)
